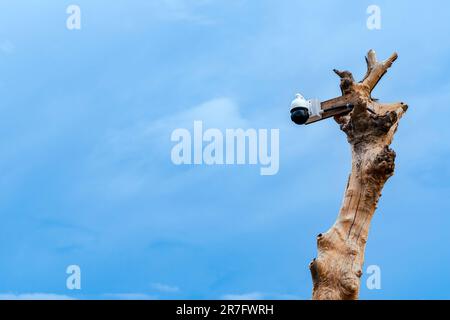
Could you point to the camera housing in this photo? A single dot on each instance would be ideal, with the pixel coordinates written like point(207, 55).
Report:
point(303, 110)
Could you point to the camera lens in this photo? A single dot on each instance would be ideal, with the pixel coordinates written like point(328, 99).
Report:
point(299, 115)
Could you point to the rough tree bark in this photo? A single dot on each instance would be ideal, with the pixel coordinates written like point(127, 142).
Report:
point(370, 128)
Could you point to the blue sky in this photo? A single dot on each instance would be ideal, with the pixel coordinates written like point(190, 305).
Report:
point(86, 176)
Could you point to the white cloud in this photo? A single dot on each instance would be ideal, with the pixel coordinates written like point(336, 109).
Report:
point(130, 296)
point(259, 296)
point(34, 296)
point(7, 47)
point(165, 288)
point(180, 10)
point(216, 113)
point(125, 161)
point(143, 136)
point(244, 296)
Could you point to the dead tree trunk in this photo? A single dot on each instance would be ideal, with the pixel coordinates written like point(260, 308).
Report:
point(370, 128)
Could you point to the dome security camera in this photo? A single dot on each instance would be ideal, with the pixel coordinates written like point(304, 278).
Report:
point(302, 110)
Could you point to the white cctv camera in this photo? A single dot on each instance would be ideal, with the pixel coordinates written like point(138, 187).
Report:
point(303, 110)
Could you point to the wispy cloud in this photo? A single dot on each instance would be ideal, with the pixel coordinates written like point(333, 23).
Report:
point(126, 157)
point(7, 47)
point(244, 296)
point(259, 296)
point(129, 296)
point(181, 10)
point(165, 288)
point(137, 139)
point(34, 296)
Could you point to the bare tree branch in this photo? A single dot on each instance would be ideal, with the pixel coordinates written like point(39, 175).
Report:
point(382, 108)
point(375, 69)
